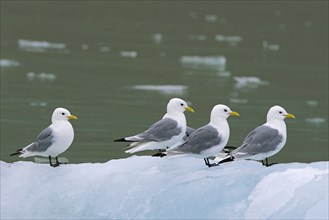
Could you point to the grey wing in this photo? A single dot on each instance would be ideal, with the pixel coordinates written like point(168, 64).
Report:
point(261, 140)
point(43, 141)
point(161, 130)
point(200, 140)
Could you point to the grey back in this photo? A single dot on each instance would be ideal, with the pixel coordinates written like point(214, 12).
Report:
point(201, 139)
point(262, 139)
point(161, 130)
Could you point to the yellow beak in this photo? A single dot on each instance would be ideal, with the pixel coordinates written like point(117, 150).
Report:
point(189, 109)
point(290, 116)
point(72, 117)
point(234, 114)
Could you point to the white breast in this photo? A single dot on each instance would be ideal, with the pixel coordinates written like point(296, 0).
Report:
point(63, 138)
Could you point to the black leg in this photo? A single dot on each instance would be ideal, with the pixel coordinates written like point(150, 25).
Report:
point(206, 160)
point(266, 163)
point(53, 165)
point(50, 161)
point(57, 163)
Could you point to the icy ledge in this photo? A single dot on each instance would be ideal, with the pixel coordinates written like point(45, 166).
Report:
point(142, 187)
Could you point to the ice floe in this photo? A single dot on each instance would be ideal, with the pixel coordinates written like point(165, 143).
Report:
point(144, 187)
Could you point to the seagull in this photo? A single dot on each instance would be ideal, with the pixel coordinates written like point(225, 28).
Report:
point(53, 140)
point(209, 139)
point(165, 133)
point(265, 140)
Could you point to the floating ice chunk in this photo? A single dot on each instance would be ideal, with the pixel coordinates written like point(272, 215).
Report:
point(270, 46)
point(46, 76)
point(144, 187)
point(211, 18)
point(312, 103)
point(224, 73)
point(131, 54)
point(41, 76)
point(218, 62)
point(236, 100)
point(9, 63)
point(157, 38)
point(31, 75)
point(252, 82)
point(38, 104)
point(232, 40)
point(209, 70)
point(315, 120)
point(164, 89)
point(40, 46)
point(207, 60)
point(104, 49)
point(84, 47)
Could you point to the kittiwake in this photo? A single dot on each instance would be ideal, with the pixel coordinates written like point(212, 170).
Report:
point(209, 139)
point(53, 140)
point(166, 133)
point(265, 140)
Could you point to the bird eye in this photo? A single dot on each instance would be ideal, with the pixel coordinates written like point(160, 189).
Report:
point(280, 112)
point(63, 113)
point(182, 104)
point(225, 110)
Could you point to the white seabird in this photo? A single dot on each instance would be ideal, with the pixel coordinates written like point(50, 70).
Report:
point(210, 139)
point(264, 141)
point(53, 140)
point(166, 133)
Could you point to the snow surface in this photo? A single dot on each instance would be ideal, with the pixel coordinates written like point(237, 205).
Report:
point(144, 187)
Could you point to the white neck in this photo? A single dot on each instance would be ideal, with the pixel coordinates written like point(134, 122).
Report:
point(221, 124)
point(177, 116)
point(60, 121)
point(279, 125)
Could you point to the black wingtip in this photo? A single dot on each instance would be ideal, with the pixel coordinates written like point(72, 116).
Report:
point(18, 152)
point(160, 154)
point(120, 140)
point(229, 159)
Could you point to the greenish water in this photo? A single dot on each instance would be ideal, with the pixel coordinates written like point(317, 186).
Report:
point(108, 62)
